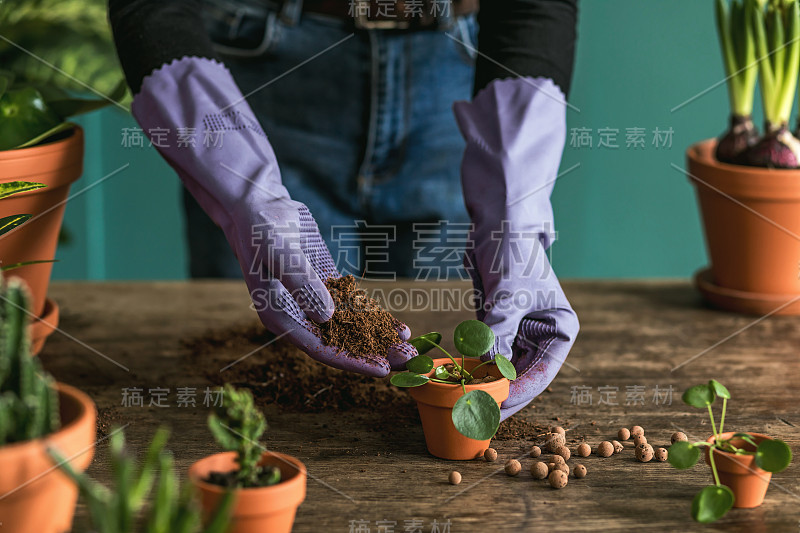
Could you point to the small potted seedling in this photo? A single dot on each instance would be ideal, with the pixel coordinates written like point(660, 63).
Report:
point(458, 398)
point(36, 412)
point(741, 463)
point(123, 508)
point(268, 487)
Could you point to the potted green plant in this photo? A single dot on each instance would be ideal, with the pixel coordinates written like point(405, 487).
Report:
point(123, 507)
point(748, 187)
point(268, 487)
point(36, 413)
point(458, 398)
point(741, 463)
point(51, 50)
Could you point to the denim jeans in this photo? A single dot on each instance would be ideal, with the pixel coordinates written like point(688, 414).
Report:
point(363, 132)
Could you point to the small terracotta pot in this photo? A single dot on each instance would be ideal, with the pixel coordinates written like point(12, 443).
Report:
point(255, 510)
point(57, 164)
point(739, 472)
point(435, 402)
point(752, 231)
point(35, 496)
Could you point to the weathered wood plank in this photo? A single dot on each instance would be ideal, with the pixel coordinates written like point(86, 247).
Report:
point(633, 334)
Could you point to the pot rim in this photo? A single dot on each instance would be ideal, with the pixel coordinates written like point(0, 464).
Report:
point(497, 384)
point(86, 409)
point(446, 395)
point(197, 469)
point(75, 136)
point(733, 460)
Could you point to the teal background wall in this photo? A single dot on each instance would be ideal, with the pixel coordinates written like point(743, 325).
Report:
point(623, 212)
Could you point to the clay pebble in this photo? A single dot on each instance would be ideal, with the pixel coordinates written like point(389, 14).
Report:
point(662, 454)
point(637, 430)
point(535, 452)
point(639, 439)
point(623, 434)
point(644, 453)
point(559, 430)
point(513, 467)
point(579, 471)
point(617, 446)
point(605, 449)
point(563, 452)
point(679, 436)
point(490, 455)
point(539, 470)
point(454, 478)
point(558, 479)
point(558, 459)
point(553, 441)
point(583, 450)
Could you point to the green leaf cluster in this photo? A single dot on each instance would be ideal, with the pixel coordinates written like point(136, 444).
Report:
point(28, 398)
point(237, 425)
point(476, 414)
point(121, 508)
point(772, 455)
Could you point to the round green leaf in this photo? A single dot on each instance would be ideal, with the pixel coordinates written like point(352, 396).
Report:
point(473, 338)
point(712, 503)
point(699, 396)
point(683, 455)
point(476, 415)
point(441, 372)
point(773, 455)
point(505, 367)
point(719, 389)
point(421, 364)
point(408, 379)
point(424, 343)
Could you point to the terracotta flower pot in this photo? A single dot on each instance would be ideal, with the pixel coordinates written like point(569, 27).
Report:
point(57, 164)
point(255, 510)
point(752, 233)
point(435, 402)
point(36, 497)
point(739, 472)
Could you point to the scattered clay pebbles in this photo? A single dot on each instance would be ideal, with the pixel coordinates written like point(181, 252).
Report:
point(639, 439)
point(558, 479)
point(513, 467)
point(539, 470)
point(554, 440)
point(583, 450)
point(605, 449)
point(454, 478)
point(490, 455)
point(623, 434)
point(563, 451)
point(617, 446)
point(637, 430)
point(579, 471)
point(535, 452)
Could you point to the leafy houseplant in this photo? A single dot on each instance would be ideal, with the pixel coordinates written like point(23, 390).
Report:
point(741, 463)
point(748, 188)
point(36, 412)
point(268, 487)
point(51, 52)
point(474, 413)
point(121, 509)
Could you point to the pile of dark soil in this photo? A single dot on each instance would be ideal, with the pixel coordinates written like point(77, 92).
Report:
point(281, 374)
point(359, 324)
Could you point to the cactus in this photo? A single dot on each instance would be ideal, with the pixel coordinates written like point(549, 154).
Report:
point(237, 426)
point(120, 509)
point(28, 398)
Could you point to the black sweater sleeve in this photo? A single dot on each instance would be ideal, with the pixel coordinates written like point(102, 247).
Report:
point(149, 33)
point(526, 38)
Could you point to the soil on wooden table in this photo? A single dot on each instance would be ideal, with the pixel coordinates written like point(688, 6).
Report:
point(281, 374)
point(359, 324)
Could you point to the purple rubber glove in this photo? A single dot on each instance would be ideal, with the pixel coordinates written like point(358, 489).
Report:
point(515, 131)
point(231, 170)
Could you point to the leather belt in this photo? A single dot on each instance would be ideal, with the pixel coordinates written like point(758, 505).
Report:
point(393, 14)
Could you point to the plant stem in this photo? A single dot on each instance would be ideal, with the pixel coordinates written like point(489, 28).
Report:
point(463, 387)
point(713, 426)
point(713, 466)
point(460, 367)
point(722, 418)
point(480, 365)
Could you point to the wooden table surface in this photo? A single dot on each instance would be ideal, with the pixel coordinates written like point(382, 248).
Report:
point(633, 336)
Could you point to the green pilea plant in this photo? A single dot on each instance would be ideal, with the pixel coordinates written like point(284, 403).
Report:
point(237, 425)
point(28, 398)
point(714, 501)
point(476, 414)
point(121, 509)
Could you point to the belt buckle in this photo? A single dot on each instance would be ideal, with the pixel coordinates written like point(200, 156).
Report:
point(363, 22)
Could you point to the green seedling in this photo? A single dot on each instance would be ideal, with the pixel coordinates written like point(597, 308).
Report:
point(237, 425)
point(121, 508)
point(476, 414)
point(28, 398)
point(714, 501)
